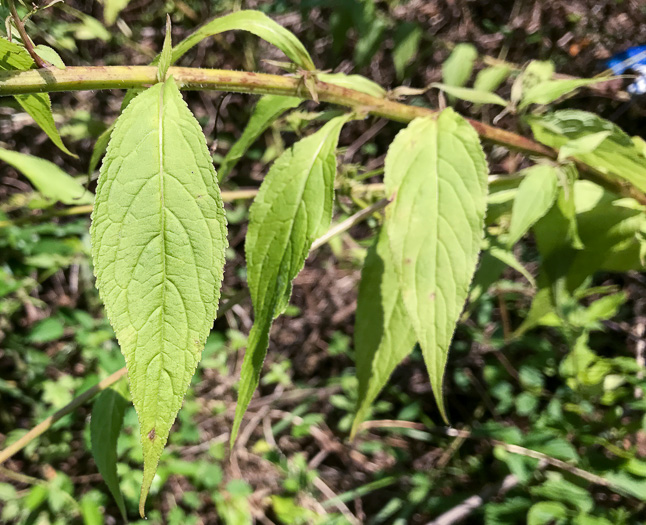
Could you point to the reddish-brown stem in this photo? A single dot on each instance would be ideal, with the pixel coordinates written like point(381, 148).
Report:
point(29, 46)
point(126, 77)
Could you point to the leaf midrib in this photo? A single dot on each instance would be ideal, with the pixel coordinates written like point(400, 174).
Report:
point(162, 214)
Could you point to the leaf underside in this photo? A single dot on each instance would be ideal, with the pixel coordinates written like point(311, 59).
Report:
point(436, 176)
point(293, 207)
point(158, 240)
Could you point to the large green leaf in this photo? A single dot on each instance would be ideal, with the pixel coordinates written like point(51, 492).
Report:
point(257, 23)
point(48, 178)
point(105, 427)
point(293, 207)
point(609, 229)
point(616, 156)
point(15, 57)
point(436, 176)
point(158, 242)
point(383, 334)
point(535, 196)
point(267, 110)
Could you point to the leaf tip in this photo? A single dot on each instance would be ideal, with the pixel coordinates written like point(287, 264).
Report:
point(441, 406)
point(355, 428)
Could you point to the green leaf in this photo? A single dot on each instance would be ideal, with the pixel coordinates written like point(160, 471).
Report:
point(535, 196)
point(471, 95)
point(490, 78)
point(457, 69)
point(551, 90)
point(584, 144)
point(558, 489)
point(50, 55)
point(48, 178)
point(616, 156)
point(158, 242)
point(489, 270)
point(47, 330)
point(15, 57)
point(105, 427)
point(383, 334)
point(541, 313)
point(111, 10)
point(407, 38)
point(252, 21)
point(508, 258)
point(267, 110)
point(546, 512)
point(89, 28)
point(91, 511)
point(356, 82)
point(293, 207)
point(627, 484)
point(436, 176)
point(370, 37)
point(607, 235)
point(257, 23)
point(511, 511)
point(536, 72)
point(166, 56)
point(588, 519)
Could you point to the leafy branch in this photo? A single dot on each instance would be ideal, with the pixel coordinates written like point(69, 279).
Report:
point(20, 27)
point(132, 77)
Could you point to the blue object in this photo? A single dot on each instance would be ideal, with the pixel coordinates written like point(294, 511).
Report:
point(634, 58)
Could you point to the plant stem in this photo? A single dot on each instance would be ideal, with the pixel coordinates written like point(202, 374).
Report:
point(127, 77)
point(44, 425)
point(29, 46)
point(514, 449)
point(349, 223)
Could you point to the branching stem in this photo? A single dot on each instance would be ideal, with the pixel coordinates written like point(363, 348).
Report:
point(127, 77)
point(29, 45)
